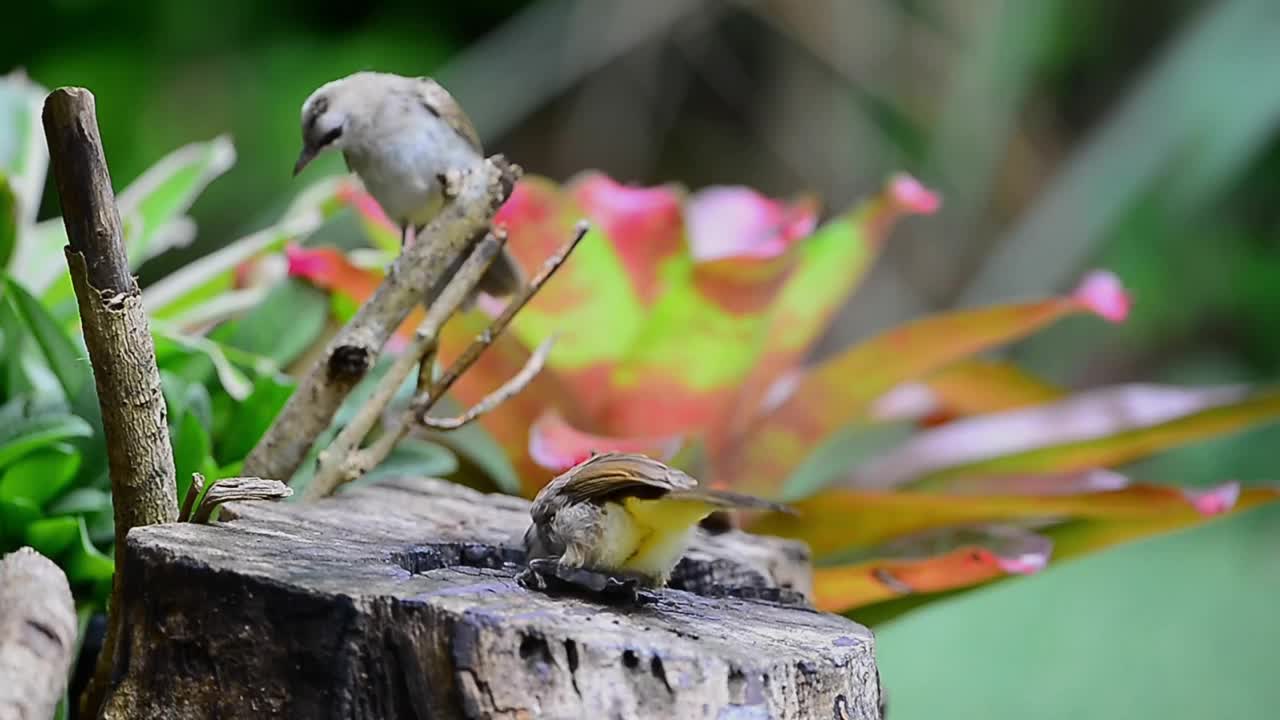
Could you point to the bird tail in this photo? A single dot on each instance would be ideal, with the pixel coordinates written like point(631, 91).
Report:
point(727, 499)
point(504, 277)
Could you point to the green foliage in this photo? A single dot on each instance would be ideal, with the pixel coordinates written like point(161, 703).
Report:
point(222, 340)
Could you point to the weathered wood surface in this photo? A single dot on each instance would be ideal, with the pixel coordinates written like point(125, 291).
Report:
point(37, 635)
point(399, 601)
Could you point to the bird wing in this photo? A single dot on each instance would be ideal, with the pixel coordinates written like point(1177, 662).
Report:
point(613, 476)
point(440, 103)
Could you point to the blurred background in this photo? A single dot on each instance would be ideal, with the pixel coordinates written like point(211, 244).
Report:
point(1139, 136)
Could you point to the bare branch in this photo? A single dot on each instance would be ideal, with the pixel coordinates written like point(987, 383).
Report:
point(491, 401)
point(341, 462)
point(118, 337)
point(355, 348)
point(423, 403)
point(362, 460)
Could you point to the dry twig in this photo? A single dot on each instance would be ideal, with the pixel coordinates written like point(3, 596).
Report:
point(118, 338)
point(342, 461)
point(491, 401)
point(424, 401)
point(353, 351)
point(369, 457)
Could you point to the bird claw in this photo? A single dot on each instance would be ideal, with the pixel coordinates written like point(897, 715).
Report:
point(547, 573)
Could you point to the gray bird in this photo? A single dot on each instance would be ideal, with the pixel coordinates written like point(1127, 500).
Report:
point(405, 137)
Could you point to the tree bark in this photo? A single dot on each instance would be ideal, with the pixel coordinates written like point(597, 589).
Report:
point(399, 601)
point(116, 333)
point(37, 635)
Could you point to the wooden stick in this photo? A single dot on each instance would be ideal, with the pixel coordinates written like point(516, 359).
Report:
point(118, 338)
point(491, 401)
point(377, 452)
point(424, 401)
point(37, 635)
point(353, 351)
point(342, 461)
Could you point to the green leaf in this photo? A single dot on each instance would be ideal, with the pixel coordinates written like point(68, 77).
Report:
point(185, 292)
point(42, 475)
point(152, 206)
point(81, 501)
point(282, 326)
point(840, 454)
point(85, 564)
point(252, 416)
point(53, 536)
point(67, 362)
point(24, 156)
point(191, 447)
point(15, 515)
point(28, 433)
point(9, 222)
point(412, 458)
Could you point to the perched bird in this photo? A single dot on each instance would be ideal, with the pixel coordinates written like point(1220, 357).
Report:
point(407, 139)
point(617, 519)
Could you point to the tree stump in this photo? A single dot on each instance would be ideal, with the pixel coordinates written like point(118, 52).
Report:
point(399, 601)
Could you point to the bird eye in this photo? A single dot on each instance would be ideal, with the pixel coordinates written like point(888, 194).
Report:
point(330, 136)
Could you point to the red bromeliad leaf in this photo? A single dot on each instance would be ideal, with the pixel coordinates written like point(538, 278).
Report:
point(330, 269)
point(644, 226)
point(832, 263)
point(1081, 537)
point(557, 446)
point(509, 425)
point(701, 337)
point(383, 233)
point(988, 554)
point(969, 387)
point(842, 390)
point(1069, 483)
point(1088, 415)
point(836, 521)
point(596, 302)
point(1102, 428)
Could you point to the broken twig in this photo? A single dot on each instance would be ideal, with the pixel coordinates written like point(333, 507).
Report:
point(118, 337)
point(342, 461)
point(370, 457)
point(238, 488)
point(424, 401)
point(517, 383)
point(353, 351)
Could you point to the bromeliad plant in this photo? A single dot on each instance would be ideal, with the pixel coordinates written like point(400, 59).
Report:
point(685, 324)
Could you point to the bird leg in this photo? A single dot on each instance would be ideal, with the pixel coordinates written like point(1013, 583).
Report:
point(408, 233)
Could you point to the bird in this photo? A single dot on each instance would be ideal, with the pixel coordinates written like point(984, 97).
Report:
point(619, 520)
point(407, 140)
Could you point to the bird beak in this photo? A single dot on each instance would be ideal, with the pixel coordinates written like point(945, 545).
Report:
point(304, 158)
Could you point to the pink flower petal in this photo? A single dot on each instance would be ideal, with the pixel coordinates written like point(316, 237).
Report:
point(1024, 564)
point(912, 196)
point(363, 203)
point(739, 222)
point(306, 264)
point(1214, 501)
point(1103, 294)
